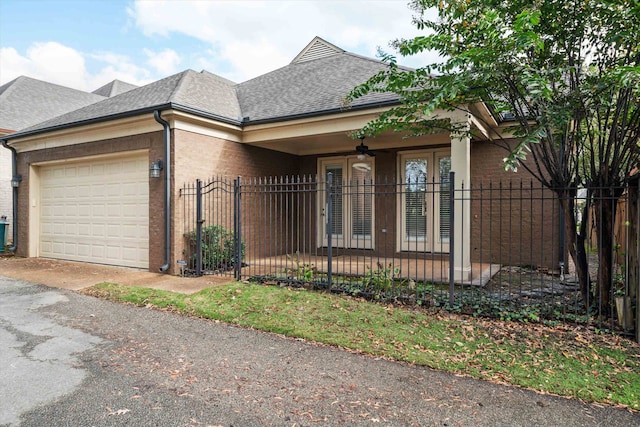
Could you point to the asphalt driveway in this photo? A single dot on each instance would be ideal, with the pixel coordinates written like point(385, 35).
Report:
point(72, 360)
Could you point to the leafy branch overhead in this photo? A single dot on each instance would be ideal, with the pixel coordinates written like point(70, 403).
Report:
point(561, 73)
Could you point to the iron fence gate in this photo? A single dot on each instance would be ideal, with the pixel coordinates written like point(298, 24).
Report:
point(212, 228)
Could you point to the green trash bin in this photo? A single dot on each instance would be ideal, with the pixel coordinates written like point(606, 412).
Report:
point(4, 226)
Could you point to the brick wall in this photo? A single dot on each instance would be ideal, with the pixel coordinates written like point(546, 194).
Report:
point(509, 231)
point(514, 220)
point(197, 156)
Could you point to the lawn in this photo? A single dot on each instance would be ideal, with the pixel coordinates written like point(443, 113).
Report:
point(565, 360)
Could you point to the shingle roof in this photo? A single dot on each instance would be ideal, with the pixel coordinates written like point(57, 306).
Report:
point(311, 86)
point(26, 101)
point(204, 92)
point(315, 83)
point(114, 88)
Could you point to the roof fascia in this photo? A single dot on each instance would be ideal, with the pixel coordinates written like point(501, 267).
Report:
point(94, 120)
point(97, 131)
point(342, 121)
point(322, 113)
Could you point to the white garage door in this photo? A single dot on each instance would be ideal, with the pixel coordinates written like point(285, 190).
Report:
point(96, 211)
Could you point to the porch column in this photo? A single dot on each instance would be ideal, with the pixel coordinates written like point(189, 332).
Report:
point(460, 164)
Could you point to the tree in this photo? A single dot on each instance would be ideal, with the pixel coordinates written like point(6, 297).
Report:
point(567, 74)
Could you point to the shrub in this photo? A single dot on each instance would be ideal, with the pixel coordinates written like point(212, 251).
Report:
point(380, 280)
point(218, 248)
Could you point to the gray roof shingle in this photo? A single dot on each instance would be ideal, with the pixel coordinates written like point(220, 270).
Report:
point(25, 101)
point(308, 87)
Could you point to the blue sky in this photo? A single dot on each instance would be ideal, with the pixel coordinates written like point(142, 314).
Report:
point(87, 43)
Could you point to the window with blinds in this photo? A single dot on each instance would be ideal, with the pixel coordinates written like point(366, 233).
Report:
point(352, 207)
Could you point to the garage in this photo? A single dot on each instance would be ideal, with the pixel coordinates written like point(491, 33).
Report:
point(96, 211)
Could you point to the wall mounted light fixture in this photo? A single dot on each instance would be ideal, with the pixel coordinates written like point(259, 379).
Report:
point(15, 181)
point(155, 169)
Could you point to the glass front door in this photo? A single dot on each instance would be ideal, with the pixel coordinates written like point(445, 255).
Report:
point(352, 193)
point(424, 201)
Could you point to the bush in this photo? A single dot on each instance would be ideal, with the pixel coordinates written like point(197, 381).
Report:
point(218, 248)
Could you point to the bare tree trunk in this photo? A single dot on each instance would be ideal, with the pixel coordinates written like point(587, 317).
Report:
point(605, 212)
point(576, 241)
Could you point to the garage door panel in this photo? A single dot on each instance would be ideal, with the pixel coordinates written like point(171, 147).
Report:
point(96, 211)
point(84, 250)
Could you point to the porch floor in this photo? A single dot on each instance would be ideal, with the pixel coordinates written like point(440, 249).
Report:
point(419, 270)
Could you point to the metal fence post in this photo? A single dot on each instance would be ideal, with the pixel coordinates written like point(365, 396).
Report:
point(452, 181)
point(636, 228)
point(199, 222)
point(237, 224)
point(329, 228)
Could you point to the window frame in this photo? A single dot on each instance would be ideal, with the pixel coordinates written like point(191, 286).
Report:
point(346, 240)
point(432, 204)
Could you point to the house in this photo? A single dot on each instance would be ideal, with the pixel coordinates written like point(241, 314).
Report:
point(87, 195)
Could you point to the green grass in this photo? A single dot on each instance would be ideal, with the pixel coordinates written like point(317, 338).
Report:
point(563, 360)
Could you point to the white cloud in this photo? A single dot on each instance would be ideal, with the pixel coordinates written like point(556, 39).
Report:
point(165, 62)
point(248, 38)
point(56, 63)
point(115, 66)
point(259, 57)
point(49, 61)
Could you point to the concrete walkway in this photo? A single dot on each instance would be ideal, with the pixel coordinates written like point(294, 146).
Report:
point(76, 275)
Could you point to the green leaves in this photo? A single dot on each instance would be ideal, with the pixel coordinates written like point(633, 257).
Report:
point(570, 84)
point(519, 153)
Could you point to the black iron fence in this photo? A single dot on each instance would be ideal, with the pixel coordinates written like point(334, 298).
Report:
point(502, 249)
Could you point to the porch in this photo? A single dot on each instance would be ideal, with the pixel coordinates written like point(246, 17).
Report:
point(402, 269)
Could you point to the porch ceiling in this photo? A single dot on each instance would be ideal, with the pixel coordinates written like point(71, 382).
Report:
point(342, 142)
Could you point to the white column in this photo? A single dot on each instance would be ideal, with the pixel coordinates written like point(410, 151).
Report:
point(460, 164)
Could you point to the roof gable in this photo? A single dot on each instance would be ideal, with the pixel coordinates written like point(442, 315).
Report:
point(316, 49)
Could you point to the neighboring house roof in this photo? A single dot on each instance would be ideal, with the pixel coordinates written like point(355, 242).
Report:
point(25, 101)
point(315, 83)
point(114, 88)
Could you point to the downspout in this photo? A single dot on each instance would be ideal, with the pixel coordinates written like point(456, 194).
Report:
point(14, 178)
point(167, 188)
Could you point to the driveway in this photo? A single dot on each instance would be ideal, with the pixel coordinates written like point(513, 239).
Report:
point(70, 359)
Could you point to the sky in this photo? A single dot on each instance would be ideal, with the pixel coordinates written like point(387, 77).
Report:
point(85, 44)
